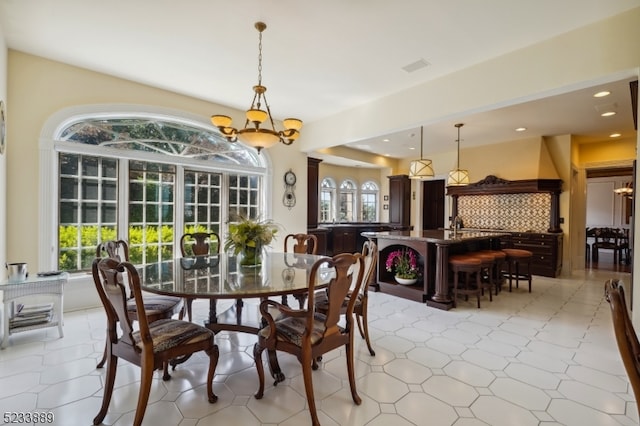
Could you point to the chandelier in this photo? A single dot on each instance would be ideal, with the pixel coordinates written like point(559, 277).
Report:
point(458, 176)
point(625, 191)
point(421, 169)
point(252, 134)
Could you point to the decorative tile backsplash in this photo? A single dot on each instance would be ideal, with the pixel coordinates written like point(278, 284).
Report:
point(514, 212)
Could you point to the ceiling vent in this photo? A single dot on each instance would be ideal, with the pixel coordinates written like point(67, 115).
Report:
point(415, 66)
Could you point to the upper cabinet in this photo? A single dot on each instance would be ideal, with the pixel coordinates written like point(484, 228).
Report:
point(399, 201)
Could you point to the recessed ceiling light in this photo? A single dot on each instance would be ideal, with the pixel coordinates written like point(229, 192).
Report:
point(411, 148)
point(602, 94)
point(608, 113)
point(521, 129)
point(385, 140)
point(615, 135)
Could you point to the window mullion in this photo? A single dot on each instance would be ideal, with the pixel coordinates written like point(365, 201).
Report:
point(123, 200)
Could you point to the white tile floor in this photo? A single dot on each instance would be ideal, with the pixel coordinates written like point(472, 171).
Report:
point(545, 358)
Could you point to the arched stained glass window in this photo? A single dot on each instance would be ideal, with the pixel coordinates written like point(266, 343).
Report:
point(154, 135)
point(147, 179)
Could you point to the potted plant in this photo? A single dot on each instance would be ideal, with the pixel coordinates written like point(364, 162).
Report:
point(404, 264)
point(247, 237)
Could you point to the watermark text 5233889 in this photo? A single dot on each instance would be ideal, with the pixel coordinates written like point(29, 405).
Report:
point(28, 417)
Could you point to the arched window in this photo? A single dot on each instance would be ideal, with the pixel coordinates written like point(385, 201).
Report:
point(369, 194)
point(147, 178)
point(347, 199)
point(327, 200)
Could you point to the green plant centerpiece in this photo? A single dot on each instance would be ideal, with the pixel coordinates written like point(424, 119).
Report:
point(247, 237)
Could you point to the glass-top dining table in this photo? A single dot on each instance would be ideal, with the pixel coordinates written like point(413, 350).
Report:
point(221, 277)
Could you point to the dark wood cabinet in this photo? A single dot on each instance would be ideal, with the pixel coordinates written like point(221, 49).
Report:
point(347, 238)
point(399, 201)
point(546, 249)
point(343, 240)
point(313, 173)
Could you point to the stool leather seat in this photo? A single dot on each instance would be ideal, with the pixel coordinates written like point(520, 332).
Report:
point(515, 259)
point(469, 265)
point(487, 263)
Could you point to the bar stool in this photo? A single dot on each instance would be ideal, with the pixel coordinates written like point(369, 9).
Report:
point(487, 260)
point(500, 257)
point(515, 259)
point(469, 265)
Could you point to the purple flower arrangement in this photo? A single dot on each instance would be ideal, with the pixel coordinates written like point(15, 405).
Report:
point(404, 263)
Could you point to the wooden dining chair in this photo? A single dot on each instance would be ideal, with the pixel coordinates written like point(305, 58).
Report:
point(301, 244)
point(626, 337)
point(370, 254)
point(152, 345)
point(309, 334)
point(197, 244)
point(607, 239)
point(156, 306)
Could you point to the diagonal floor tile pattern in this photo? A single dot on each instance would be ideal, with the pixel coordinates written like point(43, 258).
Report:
point(543, 358)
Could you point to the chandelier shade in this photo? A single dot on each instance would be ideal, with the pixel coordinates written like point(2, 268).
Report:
point(421, 169)
point(625, 191)
point(257, 115)
point(458, 176)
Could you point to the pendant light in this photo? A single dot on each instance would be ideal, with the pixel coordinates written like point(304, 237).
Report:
point(421, 169)
point(458, 176)
point(255, 133)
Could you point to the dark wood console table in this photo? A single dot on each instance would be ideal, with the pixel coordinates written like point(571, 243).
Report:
point(434, 247)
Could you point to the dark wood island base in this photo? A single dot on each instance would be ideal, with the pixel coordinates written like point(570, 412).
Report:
point(433, 247)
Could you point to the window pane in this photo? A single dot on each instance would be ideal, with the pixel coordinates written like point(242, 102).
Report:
point(86, 216)
point(207, 212)
point(90, 190)
point(68, 212)
point(69, 164)
point(109, 213)
point(69, 188)
point(109, 190)
point(90, 166)
point(151, 218)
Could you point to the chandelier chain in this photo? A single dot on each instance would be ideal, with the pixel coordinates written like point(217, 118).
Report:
point(260, 58)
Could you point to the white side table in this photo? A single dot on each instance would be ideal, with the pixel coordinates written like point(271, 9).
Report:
point(51, 285)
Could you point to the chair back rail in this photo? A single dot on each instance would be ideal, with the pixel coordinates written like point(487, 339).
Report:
point(199, 243)
point(626, 338)
point(303, 243)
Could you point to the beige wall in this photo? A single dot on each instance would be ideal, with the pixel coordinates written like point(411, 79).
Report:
point(38, 88)
point(606, 151)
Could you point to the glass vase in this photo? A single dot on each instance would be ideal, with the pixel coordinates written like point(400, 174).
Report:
point(251, 257)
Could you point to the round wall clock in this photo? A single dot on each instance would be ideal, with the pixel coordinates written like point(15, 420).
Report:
point(289, 197)
point(290, 178)
point(2, 128)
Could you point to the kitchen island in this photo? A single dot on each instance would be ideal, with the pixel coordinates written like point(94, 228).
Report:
point(433, 247)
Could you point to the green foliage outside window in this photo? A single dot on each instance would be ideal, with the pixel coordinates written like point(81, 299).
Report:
point(70, 251)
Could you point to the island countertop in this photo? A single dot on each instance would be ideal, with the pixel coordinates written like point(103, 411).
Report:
point(438, 236)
